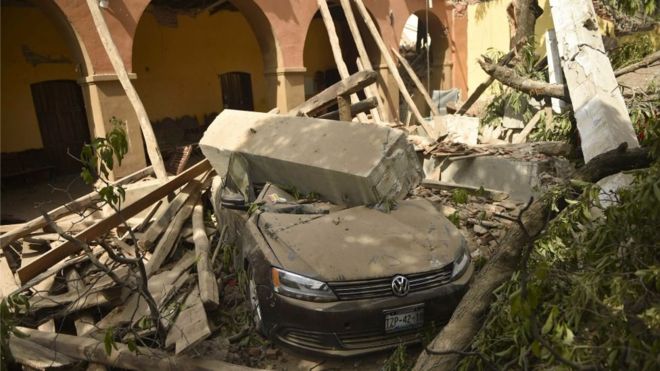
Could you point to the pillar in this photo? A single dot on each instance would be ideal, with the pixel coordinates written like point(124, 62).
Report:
point(286, 87)
point(105, 98)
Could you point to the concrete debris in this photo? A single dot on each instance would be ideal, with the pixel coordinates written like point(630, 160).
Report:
point(600, 111)
point(609, 187)
point(345, 163)
point(462, 129)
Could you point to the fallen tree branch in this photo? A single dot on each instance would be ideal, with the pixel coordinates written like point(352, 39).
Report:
point(509, 77)
point(468, 317)
point(647, 61)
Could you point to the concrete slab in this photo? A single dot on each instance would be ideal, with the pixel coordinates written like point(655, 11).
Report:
point(514, 176)
point(461, 129)
point(344, 162)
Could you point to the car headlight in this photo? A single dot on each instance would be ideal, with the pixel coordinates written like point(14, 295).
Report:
point(300, 287)
point(461, 262)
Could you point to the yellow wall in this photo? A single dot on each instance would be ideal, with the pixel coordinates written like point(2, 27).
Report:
point(488, 27)
point(178, 68)
point(31, 27)
point(317, 55)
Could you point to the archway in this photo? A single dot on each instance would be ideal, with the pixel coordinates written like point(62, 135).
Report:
point(425, 44)
point(194, 59)
point(43, 116)
point(317, 53)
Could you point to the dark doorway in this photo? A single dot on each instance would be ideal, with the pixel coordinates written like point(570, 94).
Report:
point(237, 91)
point(62, 120)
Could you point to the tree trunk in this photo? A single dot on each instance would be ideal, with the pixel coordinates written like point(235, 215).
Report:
point(509, 77)
point(525, 13)
point(468, 317)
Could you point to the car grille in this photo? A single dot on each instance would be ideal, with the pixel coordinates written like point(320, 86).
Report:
point(382, 287)
point(376, 339)
point(347, 340)
point(310, 339)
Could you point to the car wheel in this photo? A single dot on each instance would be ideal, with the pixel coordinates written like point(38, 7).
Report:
point(255, 307)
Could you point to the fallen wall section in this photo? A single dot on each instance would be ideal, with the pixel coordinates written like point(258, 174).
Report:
point(344, 162)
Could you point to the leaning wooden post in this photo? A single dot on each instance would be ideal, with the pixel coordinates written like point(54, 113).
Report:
point(418, 83)
point(392, 67)
point(118, 65)
point(336, 53)
point(208, 287)
point(363, 59)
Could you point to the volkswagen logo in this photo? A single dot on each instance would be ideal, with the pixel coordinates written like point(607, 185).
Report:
point(400, 286)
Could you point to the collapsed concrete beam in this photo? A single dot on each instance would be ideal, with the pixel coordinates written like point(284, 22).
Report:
point(346, 163)
point(600, 111)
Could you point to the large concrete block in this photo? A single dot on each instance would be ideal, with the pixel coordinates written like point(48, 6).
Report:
point(344, 162)
point(517, 177)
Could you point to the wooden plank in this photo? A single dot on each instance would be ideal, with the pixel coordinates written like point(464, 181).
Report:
point(102, 226)
point(208, 286)
point(363, 60)
point(171, 235)
point(7, 282)
point(356, 82)
point(418, 83)
point(76, 205)
point(37, 356)
point(361, 106)
point(337, 54)
point(160, 286)
point(92, 350)
point(484, 85)
point(522, 136)
point(191, 325)
point(118, 65)
point(164, 218)
point(392, 66)
point(600, 111)
point(344, 109)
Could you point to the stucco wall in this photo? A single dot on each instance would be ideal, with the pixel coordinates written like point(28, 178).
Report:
point(178, 68)
point(30, 28)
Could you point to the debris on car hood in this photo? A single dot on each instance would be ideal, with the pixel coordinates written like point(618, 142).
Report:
point(415, 237)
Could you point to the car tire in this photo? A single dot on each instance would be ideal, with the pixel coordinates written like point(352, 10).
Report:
point(255, 307)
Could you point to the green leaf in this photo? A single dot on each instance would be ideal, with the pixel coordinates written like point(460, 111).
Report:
point(108, 342)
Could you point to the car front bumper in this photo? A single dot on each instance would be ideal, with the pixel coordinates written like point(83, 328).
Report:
point(354, 327)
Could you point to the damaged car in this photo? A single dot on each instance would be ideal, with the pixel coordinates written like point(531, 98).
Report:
point(326, 272)
point(346, 281)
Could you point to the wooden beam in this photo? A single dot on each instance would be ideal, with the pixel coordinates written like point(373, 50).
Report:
point(356, 82)
point(361, 106)
point(208, 286)
point(92, 350)
point(336, 52)
point(76, 205)
point(363, 61)
point(484, 85)
point(392, 67)
point(418, 83)
point(191, 325)
point(145, 125)
point(60, 252)
point(171, 234)
point(161, 221)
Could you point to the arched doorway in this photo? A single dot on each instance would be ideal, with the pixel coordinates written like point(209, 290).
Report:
point(425, 44)
point(317, 53)
point(194, 59)
point(43, 117)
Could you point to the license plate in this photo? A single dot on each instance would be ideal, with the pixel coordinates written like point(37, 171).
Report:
point(404, 318)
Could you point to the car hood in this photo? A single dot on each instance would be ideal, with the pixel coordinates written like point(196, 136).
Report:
point(362, 243)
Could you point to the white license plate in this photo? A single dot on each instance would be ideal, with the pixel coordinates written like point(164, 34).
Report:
point(404, 318)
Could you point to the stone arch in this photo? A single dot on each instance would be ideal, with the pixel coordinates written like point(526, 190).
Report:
point(440, 56)
point(46, 115)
